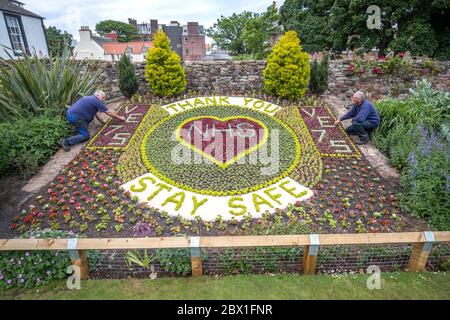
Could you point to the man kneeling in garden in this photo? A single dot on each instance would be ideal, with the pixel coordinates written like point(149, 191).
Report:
point(365, 118)
point(81, 113)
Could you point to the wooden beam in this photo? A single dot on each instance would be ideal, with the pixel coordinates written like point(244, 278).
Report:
point(219, 242)
point(254, 241)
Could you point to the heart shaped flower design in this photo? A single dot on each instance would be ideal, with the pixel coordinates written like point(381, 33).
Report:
point(223, 141)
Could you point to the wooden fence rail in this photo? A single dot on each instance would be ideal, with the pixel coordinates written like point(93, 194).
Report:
point(421, 242)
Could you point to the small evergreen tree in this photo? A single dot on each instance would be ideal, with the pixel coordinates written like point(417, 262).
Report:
point(164, 72)
point(319, 76)
point(128, 82)
point(287, 71)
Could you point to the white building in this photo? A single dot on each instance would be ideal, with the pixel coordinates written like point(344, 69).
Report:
point(108, 48)
point(21, 30)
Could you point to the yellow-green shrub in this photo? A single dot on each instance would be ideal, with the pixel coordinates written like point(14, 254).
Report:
point(164, 72)
point(287, 71)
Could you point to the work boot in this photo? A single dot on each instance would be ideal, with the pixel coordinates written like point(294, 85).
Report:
point(64, 145)
point(360, 141)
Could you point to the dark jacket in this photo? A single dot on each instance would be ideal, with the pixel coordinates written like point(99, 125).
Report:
point(364, 112)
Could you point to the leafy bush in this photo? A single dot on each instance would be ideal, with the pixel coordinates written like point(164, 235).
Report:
point(28, 269)
point(164, 72)
point(288, 70)
point(128, 83)
point(177, 261)
point(414, 135)
point(30, 142)
point(30, 85)
point(319, 76)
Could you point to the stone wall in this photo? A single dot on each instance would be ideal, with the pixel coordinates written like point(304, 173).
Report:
point(243, 77)
point(377, 86)
point(239, 77)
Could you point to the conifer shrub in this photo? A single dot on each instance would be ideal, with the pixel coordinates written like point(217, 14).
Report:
point(128, 82)
point(319, 76)
point(164, 72)
point(288, 70)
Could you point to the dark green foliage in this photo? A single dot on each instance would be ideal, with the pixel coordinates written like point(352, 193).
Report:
point(125, 31)
point(176, 261)
point(247, 34)
point(413, 134)
point(33, 86)
point(57, 40)
point(420, 27)
point(28, 143)
point(318, 81)
point(128, 82)
point(28, 269)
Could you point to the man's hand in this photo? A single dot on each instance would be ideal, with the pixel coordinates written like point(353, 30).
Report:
point(115, 115)
point(337, 122)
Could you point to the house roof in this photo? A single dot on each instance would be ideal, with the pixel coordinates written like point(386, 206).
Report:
point(101, 40)
point(9, 6)
point(120, 47)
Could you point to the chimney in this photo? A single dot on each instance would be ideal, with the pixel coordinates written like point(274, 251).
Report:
point(192, 28)
point(113, 36)
point(85, 34)
point(174, 24)
point(153, 26)
point(132, 22)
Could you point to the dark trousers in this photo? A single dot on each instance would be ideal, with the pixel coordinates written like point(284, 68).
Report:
point(361, 129)
point(81, 127)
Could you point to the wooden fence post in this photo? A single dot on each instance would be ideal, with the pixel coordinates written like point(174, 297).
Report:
point(79, 259)
point(196, 259)
point(310, 255)
point(420, 253)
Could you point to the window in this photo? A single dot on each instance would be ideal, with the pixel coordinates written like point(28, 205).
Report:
point(15, 33)
point(185, 40)
point(187, 51)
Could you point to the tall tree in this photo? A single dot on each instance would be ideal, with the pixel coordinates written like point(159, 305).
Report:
point(57, 40)
point(309, 18)
point(126, 32)
point(420, 26)
point(227, 32)
point(257, 32)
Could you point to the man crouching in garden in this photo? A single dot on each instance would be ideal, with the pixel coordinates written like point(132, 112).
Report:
point(81, 113)
point(365, 118)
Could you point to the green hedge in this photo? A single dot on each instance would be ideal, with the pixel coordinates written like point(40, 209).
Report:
point(28, 143)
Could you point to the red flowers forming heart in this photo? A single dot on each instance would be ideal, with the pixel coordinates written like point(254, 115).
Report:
point(223, 141)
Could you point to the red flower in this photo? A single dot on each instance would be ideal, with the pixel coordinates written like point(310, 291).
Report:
point(401, 54)
point(377, 70)
point(13, 226)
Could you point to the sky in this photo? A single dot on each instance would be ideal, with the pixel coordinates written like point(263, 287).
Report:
point(69, 15)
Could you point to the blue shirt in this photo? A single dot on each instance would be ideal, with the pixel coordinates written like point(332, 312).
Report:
point(86, 108)
point(364, 112)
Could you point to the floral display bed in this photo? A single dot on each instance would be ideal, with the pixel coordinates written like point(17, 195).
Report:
point(218, 165)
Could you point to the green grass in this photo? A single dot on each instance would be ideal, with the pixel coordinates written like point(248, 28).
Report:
point(393, 286)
